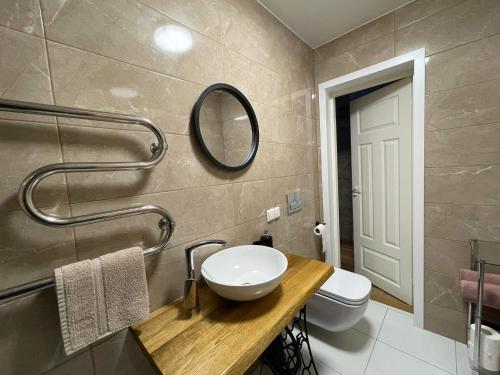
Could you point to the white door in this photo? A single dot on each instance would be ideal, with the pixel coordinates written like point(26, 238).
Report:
point(381, 178)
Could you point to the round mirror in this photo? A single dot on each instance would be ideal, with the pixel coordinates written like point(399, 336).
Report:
point(226, 127)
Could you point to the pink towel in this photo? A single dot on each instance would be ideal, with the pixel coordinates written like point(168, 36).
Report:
point(491, 297)
point(470, 275)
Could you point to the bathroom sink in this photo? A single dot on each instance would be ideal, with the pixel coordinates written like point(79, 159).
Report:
point(244, 273)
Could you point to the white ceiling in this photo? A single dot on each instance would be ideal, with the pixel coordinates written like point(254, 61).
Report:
point(317, 22)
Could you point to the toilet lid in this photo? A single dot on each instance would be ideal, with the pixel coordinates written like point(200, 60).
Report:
point(346, 286)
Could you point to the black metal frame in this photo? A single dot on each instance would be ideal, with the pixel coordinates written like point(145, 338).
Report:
point(251, 116)
point(284, 355)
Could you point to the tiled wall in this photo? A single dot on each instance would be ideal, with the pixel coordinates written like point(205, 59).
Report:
point(110, 55)
point(462, 123)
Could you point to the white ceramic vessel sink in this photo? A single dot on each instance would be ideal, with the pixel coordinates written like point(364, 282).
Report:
point(244, 273)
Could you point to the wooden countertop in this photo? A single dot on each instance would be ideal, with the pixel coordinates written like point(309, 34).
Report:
point(227, 337)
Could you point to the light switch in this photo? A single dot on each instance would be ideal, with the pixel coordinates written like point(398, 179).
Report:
point(269, 215)
point(273, 214)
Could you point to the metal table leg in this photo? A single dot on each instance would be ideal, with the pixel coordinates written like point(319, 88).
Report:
point(285, 354)
point(478, 315)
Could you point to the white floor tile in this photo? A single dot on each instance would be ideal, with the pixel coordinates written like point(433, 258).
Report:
point(463, 366)
point(371, 322)
point(346, 352)
point(389, 361)
point(398, 331)
point(400, 311)
point(324, 369)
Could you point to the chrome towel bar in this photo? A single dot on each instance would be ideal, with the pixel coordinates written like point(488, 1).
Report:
point(27, 188)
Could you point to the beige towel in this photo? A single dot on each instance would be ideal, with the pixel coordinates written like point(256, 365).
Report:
point(100, 296)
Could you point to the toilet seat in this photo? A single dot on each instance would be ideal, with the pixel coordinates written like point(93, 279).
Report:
point(346, 287)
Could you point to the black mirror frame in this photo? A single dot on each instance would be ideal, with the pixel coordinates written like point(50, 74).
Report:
point(251, 115)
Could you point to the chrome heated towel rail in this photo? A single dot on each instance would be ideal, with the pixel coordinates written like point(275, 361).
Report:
point(27, 188)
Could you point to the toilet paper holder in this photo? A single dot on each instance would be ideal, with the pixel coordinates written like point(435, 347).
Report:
point(319, 229)
point(479, 264)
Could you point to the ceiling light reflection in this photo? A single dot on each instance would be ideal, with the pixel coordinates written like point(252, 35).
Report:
point(123, 92)
point(173, 39)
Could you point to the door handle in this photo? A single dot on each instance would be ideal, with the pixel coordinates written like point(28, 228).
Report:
point(356, 191)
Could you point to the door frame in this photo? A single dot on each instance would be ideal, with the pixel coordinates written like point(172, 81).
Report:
point(411, 63)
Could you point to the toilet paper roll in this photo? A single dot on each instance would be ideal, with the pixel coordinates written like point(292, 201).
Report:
point(490, 348)
point(319, 229)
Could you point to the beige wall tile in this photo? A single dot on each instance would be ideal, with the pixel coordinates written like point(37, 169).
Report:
point(258, 83)
point(22, 15)
point(284, 127)
point(446, 256)
point(30, 251)
point(446, 322)
point(420, 9)
point(296, 159)
point(145, 43)
point(165, 278)
point(79, 365)
point(24, 71)
point(463, 185)
point(249, 29)
point(305, 244)
point(378, 28)
point(289, 52)
point(301, 86)
point(269, 122)
point(464, 106)
point(462, 222)
point(297, 232)
point(465, 65)
point(121, 355)
point(461, 24)
point(31, 338)
point(86, 80)
point(200, 15)
point(291, 224)
point(360, 57)
point(472, 145)
point(183, 166)
point(197, 212)
point(24, 147)
point(263, 166)
point(297, 130)
point(442, 290)
point(297, 226)
point(251, 199)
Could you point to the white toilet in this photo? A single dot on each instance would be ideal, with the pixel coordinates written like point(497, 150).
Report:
point(340, 302)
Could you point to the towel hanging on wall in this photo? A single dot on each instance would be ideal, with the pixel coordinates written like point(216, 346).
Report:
point(100, 296)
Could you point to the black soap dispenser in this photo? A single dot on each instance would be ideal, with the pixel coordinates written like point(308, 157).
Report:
point(265, 240)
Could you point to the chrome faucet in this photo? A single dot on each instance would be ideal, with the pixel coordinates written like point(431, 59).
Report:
point(191, 299)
